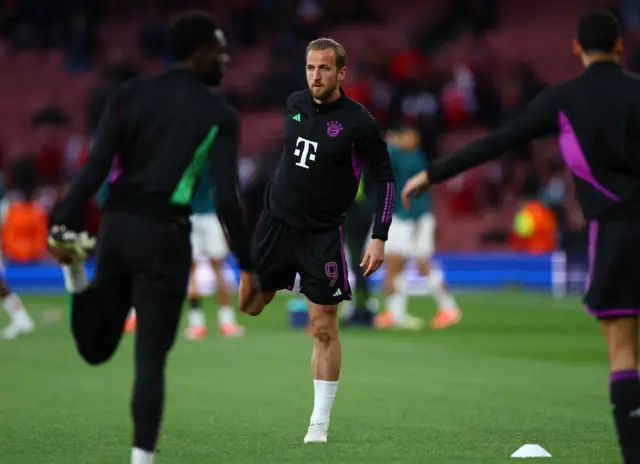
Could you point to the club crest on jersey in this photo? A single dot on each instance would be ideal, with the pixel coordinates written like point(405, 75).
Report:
point(333, 128)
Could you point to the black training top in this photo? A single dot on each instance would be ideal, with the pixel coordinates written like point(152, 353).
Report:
point(324, 150)
point(597, 119)
point(158, 133)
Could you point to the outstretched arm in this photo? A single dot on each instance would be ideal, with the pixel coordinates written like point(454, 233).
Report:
point(539, 119)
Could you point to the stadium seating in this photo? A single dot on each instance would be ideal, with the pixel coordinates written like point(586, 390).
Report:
point(39, 77)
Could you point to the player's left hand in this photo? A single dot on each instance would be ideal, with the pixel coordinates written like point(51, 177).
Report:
point(415, 187)
point(373, 257)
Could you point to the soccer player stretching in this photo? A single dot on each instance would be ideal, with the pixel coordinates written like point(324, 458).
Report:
point(164, 130)
point(328, 137)
point(209, 243)
point(597, 119)
point(412, 235)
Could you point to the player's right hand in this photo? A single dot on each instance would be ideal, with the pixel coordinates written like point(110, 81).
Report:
point(250, 294)
point(415, 187)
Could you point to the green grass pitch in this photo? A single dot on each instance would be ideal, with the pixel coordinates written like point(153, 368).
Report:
point(520, 368)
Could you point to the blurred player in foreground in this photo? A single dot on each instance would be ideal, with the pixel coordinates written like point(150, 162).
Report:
point(597, 119)
point(328, 137)
point(163, 129)
point(209, 244)
point(412, 236)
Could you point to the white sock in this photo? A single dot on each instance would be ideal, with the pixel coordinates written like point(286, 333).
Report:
point(397, 305)
point(444, 299)
point(324, 394)
point(397, 302)
point(140, 456)
point(226, 315)
point(75, 277)
point(196, 317)
point(15, 309)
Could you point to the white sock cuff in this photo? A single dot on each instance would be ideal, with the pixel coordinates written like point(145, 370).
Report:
point(75, 277)
point(400, 283)
point(140, 456)
point(327, 383)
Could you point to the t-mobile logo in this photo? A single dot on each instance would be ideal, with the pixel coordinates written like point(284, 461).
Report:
point(308, 151)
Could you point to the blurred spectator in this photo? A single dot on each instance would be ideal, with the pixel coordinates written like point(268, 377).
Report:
point(553, 192)
point(80, 44)
point(285, 77)
point(152, 34)
point(245, 17)
point(117, 69)
point(534, 229)
point(476, 16)
point(47, 123)
point(630, 13)
point(354, 11)
point(25, 222)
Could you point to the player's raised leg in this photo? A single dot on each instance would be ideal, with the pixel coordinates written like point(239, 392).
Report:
point(621, 335)
point(326, 361)
point(98, 308)
point(275, 264)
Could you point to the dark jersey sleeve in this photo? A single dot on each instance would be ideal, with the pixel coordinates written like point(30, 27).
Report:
point(223, 162)
point(105, 146)
point(538, 119)
point(373, 148)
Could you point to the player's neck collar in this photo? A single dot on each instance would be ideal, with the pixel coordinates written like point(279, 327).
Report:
point(334, 104)
point(603, 64)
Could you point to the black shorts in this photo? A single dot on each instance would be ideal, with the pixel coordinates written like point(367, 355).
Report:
point(280, 252)
point(613, 285)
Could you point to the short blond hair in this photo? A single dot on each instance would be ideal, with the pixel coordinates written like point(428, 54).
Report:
point(326, 44)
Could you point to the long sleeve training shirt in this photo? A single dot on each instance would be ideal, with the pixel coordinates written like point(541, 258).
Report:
point(158, 133)
point(319, 173)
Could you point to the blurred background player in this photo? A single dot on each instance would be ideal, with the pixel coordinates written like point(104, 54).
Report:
point(208, 243)
point(23, 222)
point(357, 226)
point(412, 236)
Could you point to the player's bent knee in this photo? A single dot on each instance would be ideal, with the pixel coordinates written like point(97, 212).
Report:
point(255, 306)
point(95, 357)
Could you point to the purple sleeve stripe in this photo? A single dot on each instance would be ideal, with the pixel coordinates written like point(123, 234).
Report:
point(392, 202)
point(388, 203)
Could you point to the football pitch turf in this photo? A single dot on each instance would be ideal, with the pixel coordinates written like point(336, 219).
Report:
point(520, 368)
